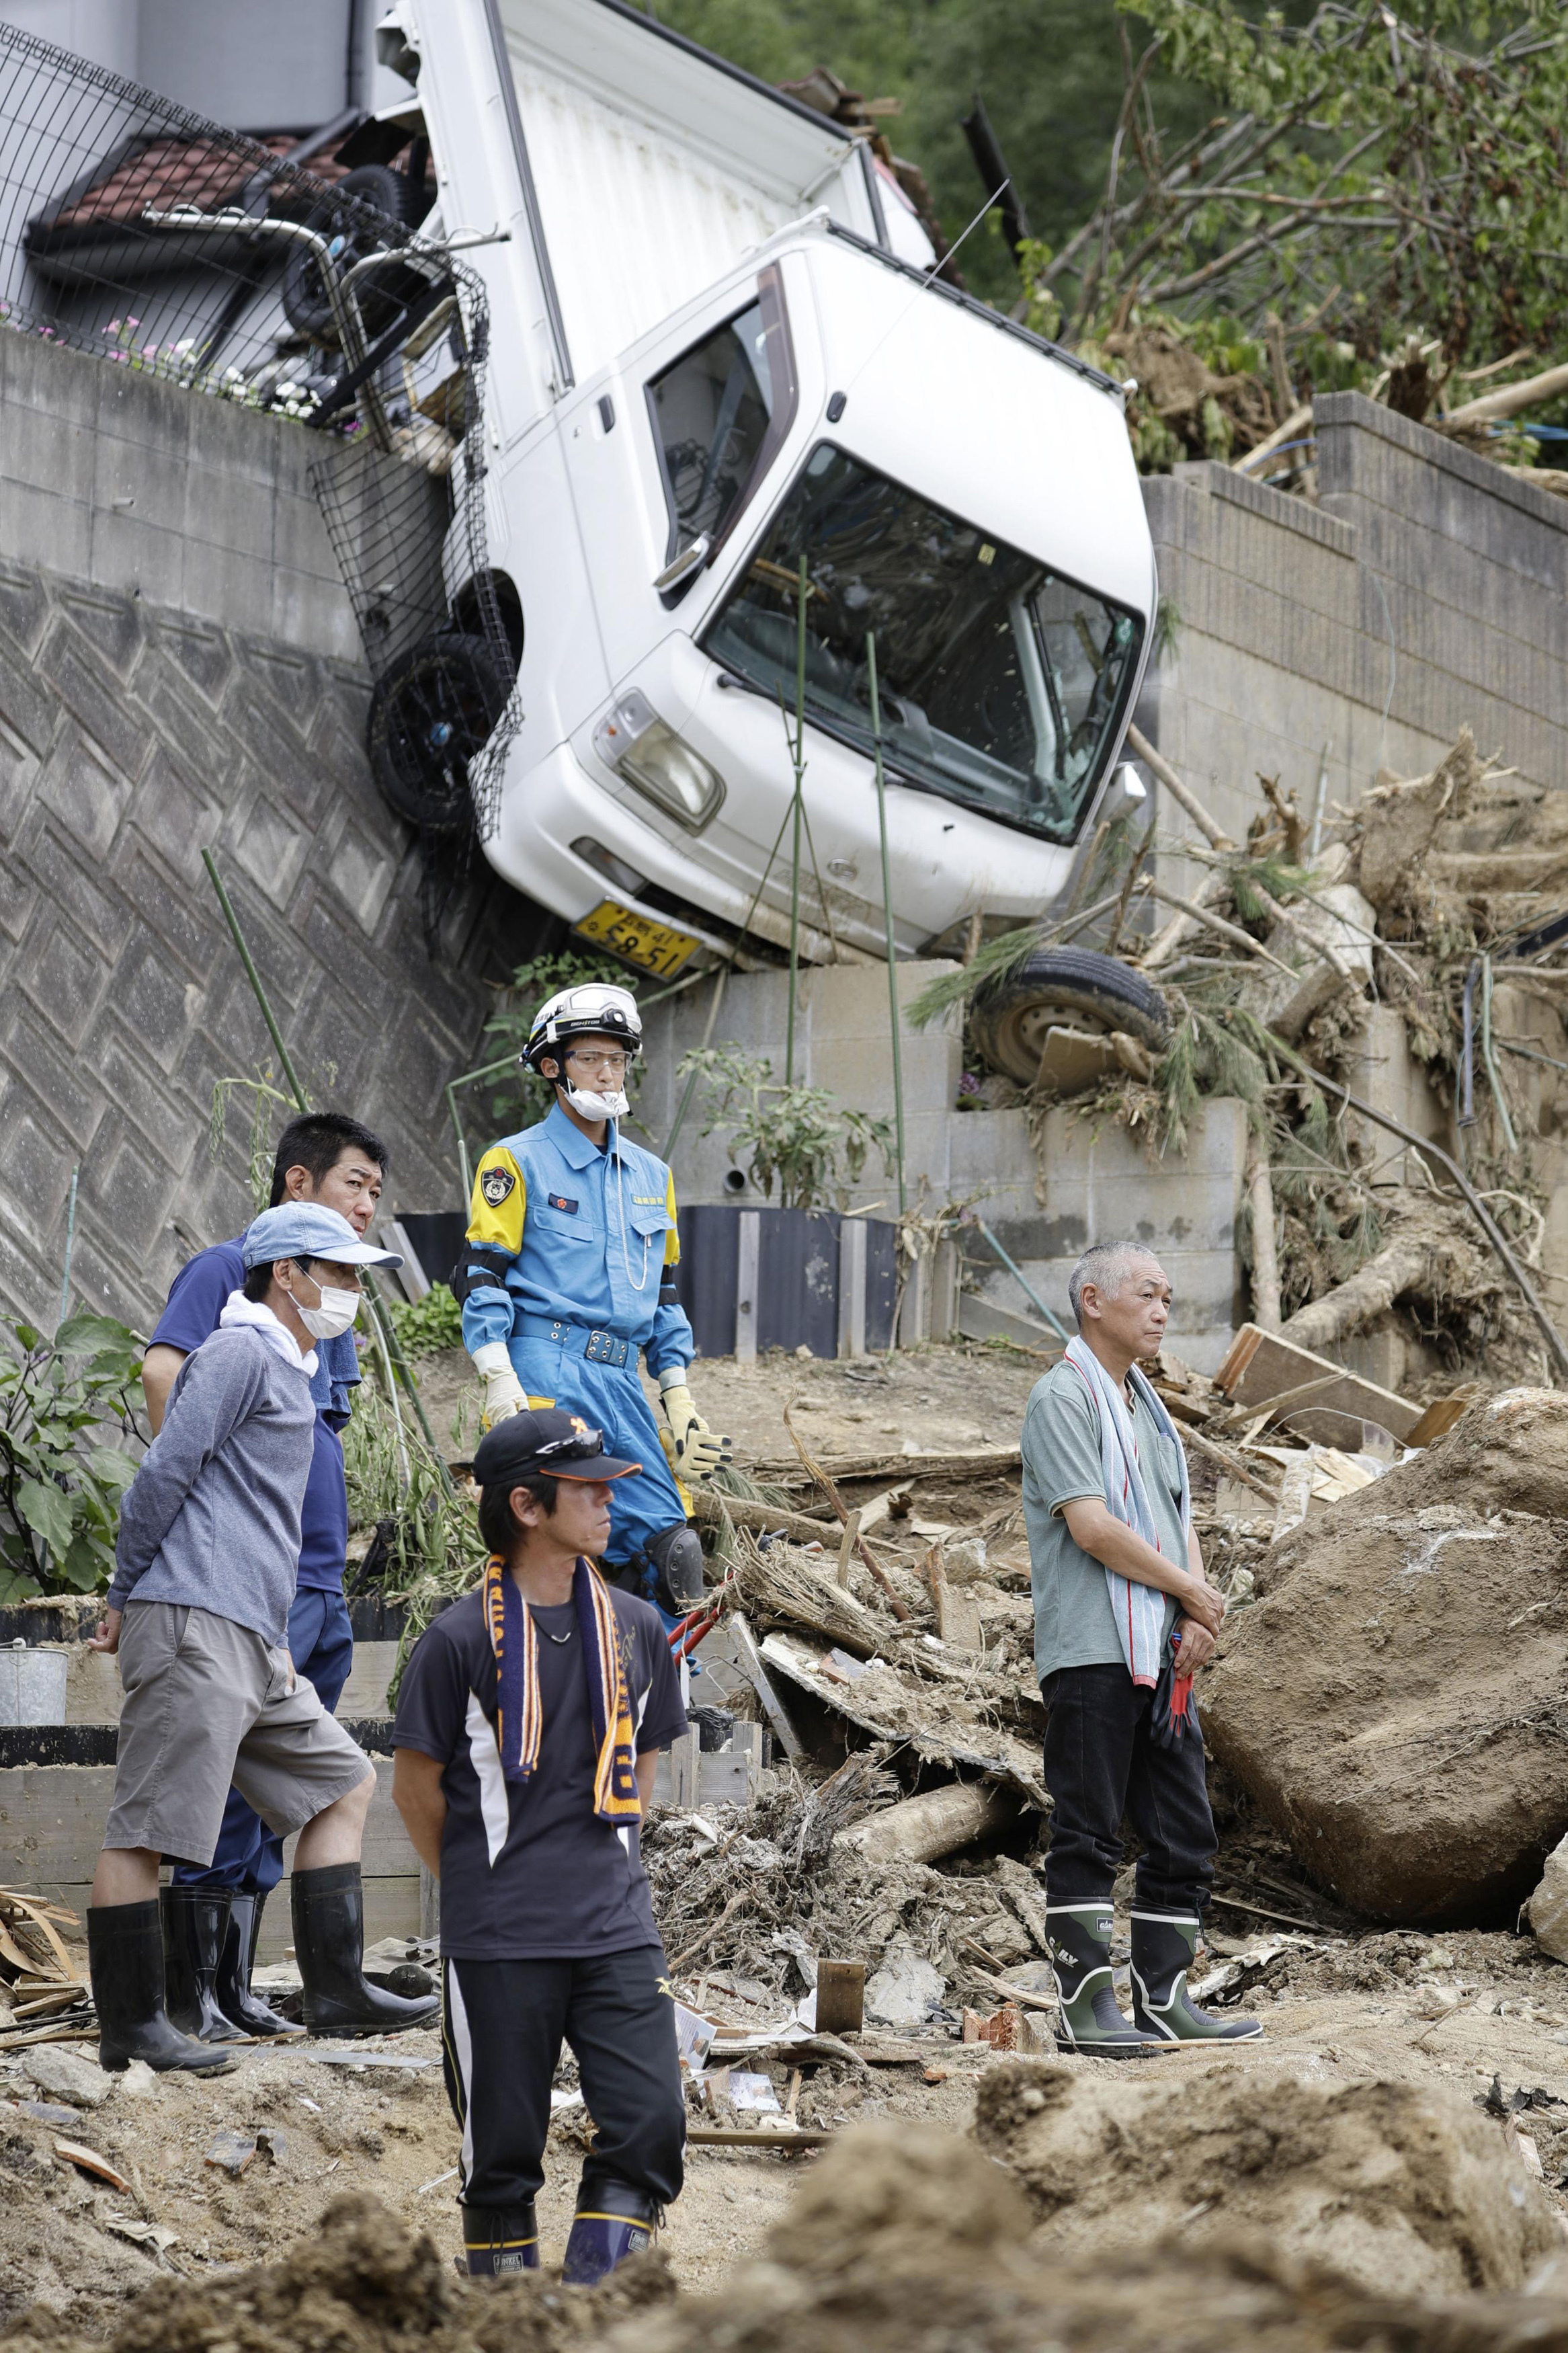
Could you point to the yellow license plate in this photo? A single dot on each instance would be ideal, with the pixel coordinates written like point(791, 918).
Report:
point(656, 948)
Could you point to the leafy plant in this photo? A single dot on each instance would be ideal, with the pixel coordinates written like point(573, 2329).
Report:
point(60, 1483)
point(425, 1326)
point(426, 1546)
point(797, 1135)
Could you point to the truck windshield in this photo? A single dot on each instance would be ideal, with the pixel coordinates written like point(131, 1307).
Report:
point(1000, 682)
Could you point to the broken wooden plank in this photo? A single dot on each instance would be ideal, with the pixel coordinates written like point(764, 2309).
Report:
point(840, 1997)
point(890, 1706)
point(767, 1519)
point(88, 2160)
point(749, 1659)
point(979, 1462)
point(1262, 1366)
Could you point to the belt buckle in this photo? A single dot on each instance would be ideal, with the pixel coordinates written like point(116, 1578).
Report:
point(605, 1349)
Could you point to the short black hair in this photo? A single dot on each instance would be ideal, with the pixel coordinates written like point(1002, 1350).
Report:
point(259, 1278)
point(318, 1140)
point(498, 1521)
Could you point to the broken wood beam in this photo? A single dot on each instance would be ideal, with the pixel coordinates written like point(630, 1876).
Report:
point(937, 1822)
point(767, 1519)
point(1214, 833)
point(1266, 1310)
point(895, 1601)
point(749, 1660)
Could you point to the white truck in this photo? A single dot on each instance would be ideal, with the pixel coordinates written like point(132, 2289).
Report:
point(717, 349)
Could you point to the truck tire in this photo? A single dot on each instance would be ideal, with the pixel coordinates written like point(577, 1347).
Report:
point(307, 304)
point(1074, 988)
point(431, 712)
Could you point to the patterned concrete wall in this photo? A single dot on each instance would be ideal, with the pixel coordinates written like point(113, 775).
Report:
point(1424, 592)
point(134, 733)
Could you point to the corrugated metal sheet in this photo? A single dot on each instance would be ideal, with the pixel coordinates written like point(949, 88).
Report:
point(637, 222)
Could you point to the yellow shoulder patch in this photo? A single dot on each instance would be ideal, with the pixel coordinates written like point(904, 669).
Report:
point(672, 1235)
point(499, 1198)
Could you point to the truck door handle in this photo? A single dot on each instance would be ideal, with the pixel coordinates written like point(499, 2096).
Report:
point(691, 559)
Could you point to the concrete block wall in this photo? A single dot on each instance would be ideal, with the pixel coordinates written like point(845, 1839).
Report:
point(153, 701)
point(1424, 592)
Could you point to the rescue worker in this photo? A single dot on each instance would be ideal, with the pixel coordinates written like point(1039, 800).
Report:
point(569, 1270)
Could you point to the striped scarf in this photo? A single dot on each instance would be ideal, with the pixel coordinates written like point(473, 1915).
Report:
point(514, 1641)
point(1139, 1609)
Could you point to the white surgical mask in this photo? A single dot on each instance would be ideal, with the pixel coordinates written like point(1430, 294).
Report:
point(337, 1311)
point(596, 1106)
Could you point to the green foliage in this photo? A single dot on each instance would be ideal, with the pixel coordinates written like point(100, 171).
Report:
point(802, 1137)
point(425, 1326)
point(60, 1483)
point(426, 1545)
point(259, 1146)
point(1371, 179)
point(992, 961)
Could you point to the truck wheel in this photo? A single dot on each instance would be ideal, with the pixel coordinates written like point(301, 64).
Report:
point(1075, 988)
point(307, 304)
point(433, 709)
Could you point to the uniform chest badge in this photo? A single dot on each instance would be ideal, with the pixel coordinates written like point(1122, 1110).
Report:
point(496, 1183)
point(559, 1201)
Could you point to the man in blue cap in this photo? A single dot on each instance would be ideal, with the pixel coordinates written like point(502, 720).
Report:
point(324, 1158)
point(198, 1611)
point(527, 1728)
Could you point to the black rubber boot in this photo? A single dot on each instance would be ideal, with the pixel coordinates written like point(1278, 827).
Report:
point(498, 2240)
point(196, 1922)
point(329, 1945)
point(1090, 2020)
point(676, 1557)
point(244, 2009)
point(125, 1955)
point(613, 2221)
point(1164, 1945)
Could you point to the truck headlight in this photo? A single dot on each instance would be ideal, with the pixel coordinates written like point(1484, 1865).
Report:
point(636, 742)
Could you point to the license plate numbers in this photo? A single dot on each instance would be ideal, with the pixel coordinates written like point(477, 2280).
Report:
point(654, 947)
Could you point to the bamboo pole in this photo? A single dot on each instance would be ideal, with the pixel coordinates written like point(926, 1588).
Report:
point(896, 1015)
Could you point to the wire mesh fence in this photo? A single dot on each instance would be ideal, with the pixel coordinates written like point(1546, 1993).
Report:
point(290, 275)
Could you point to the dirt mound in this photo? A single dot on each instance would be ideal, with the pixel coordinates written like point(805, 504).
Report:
point(1410, 2191)
point(1393, 1700)
point(359, 2283)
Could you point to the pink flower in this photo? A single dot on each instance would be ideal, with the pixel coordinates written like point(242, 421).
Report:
point(131, 322)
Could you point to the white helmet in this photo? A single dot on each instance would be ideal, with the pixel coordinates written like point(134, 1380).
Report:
point(594, 1010)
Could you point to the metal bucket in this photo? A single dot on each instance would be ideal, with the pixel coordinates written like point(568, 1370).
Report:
point(32, 1686)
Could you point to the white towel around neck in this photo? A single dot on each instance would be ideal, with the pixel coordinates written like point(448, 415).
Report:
point(238, 1310)
point(1139, 1609)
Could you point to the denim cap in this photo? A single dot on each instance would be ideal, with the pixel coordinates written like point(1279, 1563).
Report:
point(301, 1230)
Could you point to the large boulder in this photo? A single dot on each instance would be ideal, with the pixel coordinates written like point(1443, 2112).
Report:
point(1395, 1699)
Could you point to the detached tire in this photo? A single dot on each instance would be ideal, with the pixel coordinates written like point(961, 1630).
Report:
point(391, 197)
point(1074, 988)
point(434, 709)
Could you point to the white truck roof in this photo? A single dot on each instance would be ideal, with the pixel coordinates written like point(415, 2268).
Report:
point(657, 166)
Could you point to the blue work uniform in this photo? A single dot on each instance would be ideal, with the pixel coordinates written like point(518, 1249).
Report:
point(320, 1640)
point(570, 1259)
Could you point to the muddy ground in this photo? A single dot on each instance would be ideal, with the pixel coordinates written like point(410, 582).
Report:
point(1456, 2010)
point(943, 1400)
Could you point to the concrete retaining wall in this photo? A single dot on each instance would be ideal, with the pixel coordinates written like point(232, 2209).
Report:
point(176, 673)
point(1423, 593)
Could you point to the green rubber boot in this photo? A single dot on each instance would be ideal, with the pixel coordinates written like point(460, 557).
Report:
point(1090, 2020)
point(1164, 1945)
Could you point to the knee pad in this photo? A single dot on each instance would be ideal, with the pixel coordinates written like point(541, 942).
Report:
point(676, 1558)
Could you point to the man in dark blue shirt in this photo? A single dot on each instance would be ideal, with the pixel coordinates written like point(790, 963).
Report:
point(529, 1723)
point(212, 1918)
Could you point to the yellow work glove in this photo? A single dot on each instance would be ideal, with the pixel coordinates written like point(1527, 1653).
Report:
point(698, 1452)
point(504, 1390)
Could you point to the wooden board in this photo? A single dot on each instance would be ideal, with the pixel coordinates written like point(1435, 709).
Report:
point(1260, 1365)
point(982, 1463)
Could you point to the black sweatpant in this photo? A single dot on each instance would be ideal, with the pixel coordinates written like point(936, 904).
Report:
point(503, 2025)
point(1100, 1765)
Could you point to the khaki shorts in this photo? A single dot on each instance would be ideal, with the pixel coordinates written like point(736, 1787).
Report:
point(208, 1703)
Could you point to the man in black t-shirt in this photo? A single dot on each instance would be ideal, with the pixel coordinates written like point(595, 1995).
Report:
point(528, 1729)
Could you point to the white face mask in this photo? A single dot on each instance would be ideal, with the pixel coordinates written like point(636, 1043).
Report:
point(336, 1313)
point(596, 1106)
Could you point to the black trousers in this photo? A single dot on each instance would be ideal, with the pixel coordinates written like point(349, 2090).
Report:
point(503, 2025)
point(1100, 1766)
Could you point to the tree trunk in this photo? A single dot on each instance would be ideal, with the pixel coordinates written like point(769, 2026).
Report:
point(923, 1829)
point(1396, 1269)
point(1265, 1256)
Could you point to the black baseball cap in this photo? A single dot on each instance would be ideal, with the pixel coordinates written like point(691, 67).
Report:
point(545, 1443)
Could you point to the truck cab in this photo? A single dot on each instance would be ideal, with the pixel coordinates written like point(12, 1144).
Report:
point(724, 379)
